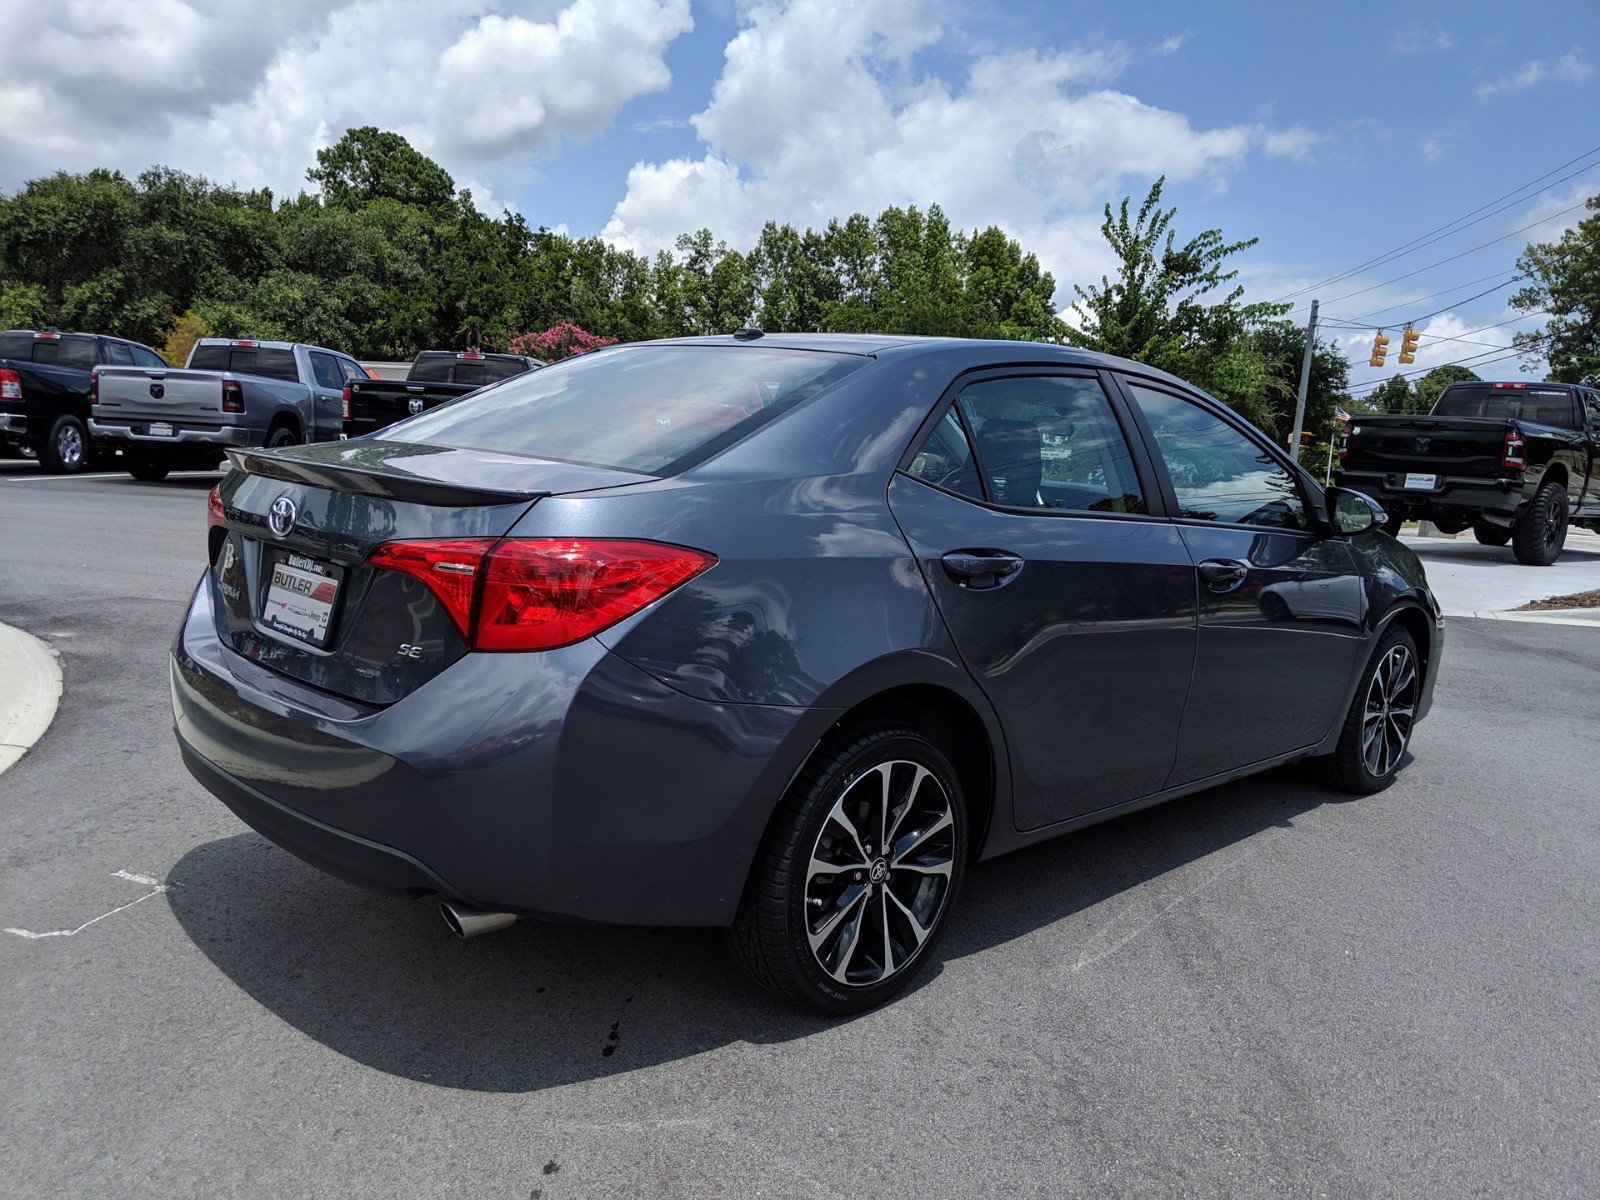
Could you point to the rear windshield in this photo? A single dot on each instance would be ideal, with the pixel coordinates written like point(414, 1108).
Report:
point(447, 368)
point(71, 350)
point(654, 410)
point(1546, 406)
point(244, 360)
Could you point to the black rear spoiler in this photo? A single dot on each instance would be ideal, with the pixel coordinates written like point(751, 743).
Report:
point(389, 485)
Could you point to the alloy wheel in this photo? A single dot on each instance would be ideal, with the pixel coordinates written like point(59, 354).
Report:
point(69, 446)
point(1555, 522)
point(880, 873)
point(1391, 707)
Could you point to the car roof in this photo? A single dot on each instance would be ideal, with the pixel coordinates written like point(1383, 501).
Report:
point(902, 346)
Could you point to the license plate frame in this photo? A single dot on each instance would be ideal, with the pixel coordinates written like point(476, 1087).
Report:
point(1419, 481)
point(164, 429)
point(300, 599)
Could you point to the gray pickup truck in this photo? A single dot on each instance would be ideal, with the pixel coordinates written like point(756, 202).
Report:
point(232, 393)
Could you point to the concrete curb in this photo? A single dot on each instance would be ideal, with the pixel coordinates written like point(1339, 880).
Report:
point(1557, 616)
point(30, 689)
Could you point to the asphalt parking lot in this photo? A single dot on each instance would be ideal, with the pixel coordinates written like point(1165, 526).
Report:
point(1264, 990)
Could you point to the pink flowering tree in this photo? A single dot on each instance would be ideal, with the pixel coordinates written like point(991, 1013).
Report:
point(559, 341)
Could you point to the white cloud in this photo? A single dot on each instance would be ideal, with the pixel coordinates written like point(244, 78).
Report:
point(1417, 38)
point(237, 90)
point(1571, 67)
point(1171, 45)
point(1432, 149)
point(821, 110)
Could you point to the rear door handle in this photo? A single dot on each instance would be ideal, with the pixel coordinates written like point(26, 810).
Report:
point(981, 570)
point(1223, 574)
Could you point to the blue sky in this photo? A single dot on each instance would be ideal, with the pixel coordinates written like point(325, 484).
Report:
point(1332, 133)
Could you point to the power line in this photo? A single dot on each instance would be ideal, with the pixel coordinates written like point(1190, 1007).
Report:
point(1481, 359)
point(1455, 226)
point(1365, 319)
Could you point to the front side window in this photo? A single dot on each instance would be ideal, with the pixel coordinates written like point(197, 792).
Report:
point(143, 356)
point(326, 370)
point(1218, 473)
point(1051, 442)
point(119, 354)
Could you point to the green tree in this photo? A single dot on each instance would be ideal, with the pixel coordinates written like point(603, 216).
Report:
point(1565, 283)
point(1394, 395)
point(1281, 347)
point(1436, 380)
point(369, 163)
point(1167, 306)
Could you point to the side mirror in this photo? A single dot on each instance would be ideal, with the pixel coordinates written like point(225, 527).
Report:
point(1351, 512)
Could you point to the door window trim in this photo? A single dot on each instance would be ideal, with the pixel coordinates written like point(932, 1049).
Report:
point(1156, 502)
point(1312, 499)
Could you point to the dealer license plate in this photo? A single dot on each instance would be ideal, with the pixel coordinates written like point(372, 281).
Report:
point(1421, 483)
point(160, 428)
point(301, 595)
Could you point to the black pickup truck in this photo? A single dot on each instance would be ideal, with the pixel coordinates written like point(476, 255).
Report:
point(46, 385)
point(435, 377)
point(1513, 462)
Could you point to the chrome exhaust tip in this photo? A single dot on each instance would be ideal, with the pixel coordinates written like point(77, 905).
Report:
point(467, 922)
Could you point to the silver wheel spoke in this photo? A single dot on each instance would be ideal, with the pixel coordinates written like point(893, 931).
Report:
point(888, 942)
point(838, 818)
point(850, 939)
point(939, 868)
point(911, 796)
point(920, 838)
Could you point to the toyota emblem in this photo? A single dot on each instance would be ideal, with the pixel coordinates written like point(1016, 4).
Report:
point(280, 517)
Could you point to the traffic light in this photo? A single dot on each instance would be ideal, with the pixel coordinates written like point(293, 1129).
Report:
point(1380, 348)
point(1408, 346)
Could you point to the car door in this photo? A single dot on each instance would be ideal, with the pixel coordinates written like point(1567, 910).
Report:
point(1281, 596)
point(1071, 602)
point(327, 386)
point(1591, 493)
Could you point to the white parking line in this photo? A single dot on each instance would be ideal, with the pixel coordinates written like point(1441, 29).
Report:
point(155, 884)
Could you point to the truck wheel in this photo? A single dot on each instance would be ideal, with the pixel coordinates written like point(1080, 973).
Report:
point(1392, 526)
point(1541, 531)
point(1451, 525)
point(280, 437)
point(148, 470)
point(66, 448)
point(1489, 534)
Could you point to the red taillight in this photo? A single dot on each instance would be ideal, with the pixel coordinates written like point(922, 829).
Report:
point(94, 387)
point(232, 396)
point(10, 384)
point(1344, 444)
point(1508, 385)
point(346, 402)
point(245, 342)
point(541, 593)
point(1515, 452)
point(49, 335)
point(473, 354)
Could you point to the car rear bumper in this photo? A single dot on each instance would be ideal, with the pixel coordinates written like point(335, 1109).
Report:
point(567, 785)
point(1470, 494)
point(13, 423)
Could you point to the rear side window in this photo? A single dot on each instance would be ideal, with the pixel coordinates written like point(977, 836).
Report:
point(1218, 473)
point(649, 409)
point(431, 368)
point(76, 351)
point(1545, 406)
point(945, 459)
point(267, 361)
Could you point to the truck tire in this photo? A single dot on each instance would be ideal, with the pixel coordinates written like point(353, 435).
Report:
point(1541, 531)
point(1451, 525)
point(1489, 534)
point(147, 469)
point(1392, 526)
point(280, 437)
point(66, 447)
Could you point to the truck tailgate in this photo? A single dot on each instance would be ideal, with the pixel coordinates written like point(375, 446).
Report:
point(157, 394)
point(1464, 446)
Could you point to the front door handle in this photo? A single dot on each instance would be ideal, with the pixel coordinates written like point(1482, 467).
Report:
point(1224, 574)
point(981, 570)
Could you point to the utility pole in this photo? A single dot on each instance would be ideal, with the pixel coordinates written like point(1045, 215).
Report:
point(1305, 382)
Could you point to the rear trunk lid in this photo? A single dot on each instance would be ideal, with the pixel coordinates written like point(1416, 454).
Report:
point(1457, 446)
point(293, 586)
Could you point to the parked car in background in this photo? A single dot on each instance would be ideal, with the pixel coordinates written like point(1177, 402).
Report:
point(232, 393)
point(781, 633)
point(46, 380)
point(1513, 462)
point(436, 376)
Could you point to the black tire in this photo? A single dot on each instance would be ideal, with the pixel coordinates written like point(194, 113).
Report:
point(1489, 534)
point(1392, 526)
point(1541, 531)
point(1451, 525)
point(1351, 767)
point(65, 450)
point(772, 935)
point(282, 436)
point(148, 470)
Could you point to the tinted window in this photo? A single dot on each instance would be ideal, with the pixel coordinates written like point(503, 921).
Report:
point(72, 350)
point(1547, 406)
point(945, 459)
point(652, 409)
point(325, 369)
point(351, 370)
point(119, 354)
point(143, 356)
point(270, 362)
point(1051, 442)
point(432, 368)
point(1593, 402)
point(1218, 473)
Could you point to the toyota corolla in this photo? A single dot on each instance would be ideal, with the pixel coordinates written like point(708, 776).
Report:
point(781, 634)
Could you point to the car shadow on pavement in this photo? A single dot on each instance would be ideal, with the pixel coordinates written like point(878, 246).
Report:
point(380, 981)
